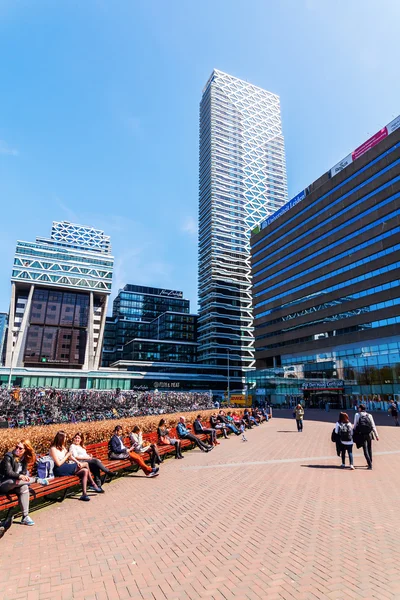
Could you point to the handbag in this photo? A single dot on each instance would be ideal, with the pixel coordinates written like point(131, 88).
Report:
point(165, 440)
point(334, 436)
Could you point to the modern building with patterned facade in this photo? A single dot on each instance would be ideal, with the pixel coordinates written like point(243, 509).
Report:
point(59, 297)
point(326, 288)
point(150, 324)
point(242, 180)
point(3, 329)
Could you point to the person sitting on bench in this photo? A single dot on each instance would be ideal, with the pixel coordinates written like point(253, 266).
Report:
point(66, 465)
point(184, 433)
point(78, 450)
point(140, 447)
point(14, 476)
point(215, 424)
point(164, 439)
point(212, 433)
point(118, 451)
point(222, 419)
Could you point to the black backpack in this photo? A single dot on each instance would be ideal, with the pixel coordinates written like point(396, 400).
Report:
point(345, 432)
point(364, 424)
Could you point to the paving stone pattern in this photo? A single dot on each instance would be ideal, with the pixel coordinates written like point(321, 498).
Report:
point(296, 529)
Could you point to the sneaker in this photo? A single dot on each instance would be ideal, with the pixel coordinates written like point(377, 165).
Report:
point(352, 467)
point(84, 498)
point(27, 521)
point(97, 489)
point(42, 481)
point(343, 466)
point(156, 469)
point(153, 474)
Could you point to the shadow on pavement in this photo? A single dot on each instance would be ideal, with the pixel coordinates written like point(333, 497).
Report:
point(322, 466)
point(287, 431)
point(381, 418)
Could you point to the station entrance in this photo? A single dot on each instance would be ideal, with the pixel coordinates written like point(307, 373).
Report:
point(320, 397)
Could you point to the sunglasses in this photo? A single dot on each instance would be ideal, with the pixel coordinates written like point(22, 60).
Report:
point(19, 448)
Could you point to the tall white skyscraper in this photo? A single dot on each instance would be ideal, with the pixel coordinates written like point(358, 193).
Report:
point(242, 178)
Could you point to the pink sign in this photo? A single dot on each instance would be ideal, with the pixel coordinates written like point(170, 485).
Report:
point(375, 139)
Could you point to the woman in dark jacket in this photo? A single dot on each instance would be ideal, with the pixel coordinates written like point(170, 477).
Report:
point(215, 424)
point(14, 476)
point(164, 439)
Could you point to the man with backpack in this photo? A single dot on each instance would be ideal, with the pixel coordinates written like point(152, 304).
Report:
point(364, 427)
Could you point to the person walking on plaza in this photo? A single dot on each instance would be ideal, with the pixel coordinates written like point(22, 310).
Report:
point(299, 414)
point(15, 479)
point(365, 430)
point(344, 431)
point(394, 411)
point(119, 451)
point(185, 434)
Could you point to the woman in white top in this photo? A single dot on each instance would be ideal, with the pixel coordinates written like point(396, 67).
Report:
point(66, 464)
point(344, 431)
point(78, 450)
point(140, 447)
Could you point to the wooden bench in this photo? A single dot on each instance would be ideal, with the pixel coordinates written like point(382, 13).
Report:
point(59, 486)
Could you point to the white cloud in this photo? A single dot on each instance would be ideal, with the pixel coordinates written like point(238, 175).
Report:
point(6, 149)
point(189, 226)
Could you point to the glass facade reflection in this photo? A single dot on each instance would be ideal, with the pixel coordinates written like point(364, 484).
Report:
point(57, 330)
point(242, 180)
point(326, 288)
point(59, 295)
point(143, 319)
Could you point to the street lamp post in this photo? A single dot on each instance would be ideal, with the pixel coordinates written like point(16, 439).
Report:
point(229, 386)
point(12, 359)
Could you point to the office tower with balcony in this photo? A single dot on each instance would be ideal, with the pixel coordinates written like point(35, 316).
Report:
point(242, 180)
point(59, 295)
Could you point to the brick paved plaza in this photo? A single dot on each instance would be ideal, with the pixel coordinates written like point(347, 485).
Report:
point(271, 518)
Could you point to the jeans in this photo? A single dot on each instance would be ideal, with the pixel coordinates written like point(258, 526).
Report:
point(95, 465)
point(349, 448)
point(212, 433)
point(367, 448)
point(223, 428)
point(299, 423)
point(233, 428)
point(196, 440)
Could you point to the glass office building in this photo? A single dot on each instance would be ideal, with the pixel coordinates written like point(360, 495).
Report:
point(242, 179)
point(59, 297)
point(326, 288)
point(150, 324)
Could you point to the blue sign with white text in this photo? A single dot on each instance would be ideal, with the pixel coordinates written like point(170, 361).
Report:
point(300, 196)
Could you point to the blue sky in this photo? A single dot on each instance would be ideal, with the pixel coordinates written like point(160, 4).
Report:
point(99, 110)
